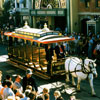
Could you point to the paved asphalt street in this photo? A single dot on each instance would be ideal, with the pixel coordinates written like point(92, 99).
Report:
point(54, 84)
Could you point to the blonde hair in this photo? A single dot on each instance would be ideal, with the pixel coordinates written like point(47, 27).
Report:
point(57, 93)
point(29, 87)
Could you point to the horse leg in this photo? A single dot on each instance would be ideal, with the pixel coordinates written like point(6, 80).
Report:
point(67, 77)
point(91, 84)
point(73, 81)
point(78, 84)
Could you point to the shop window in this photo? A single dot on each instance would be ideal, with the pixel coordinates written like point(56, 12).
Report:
point(87, 3)
point(97, 3)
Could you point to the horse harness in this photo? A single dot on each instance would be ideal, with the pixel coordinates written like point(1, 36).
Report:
point(84, 70)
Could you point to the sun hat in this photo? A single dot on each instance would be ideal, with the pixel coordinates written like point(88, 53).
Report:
point(29, 71)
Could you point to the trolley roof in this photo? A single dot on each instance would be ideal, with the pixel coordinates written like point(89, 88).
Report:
point(44, 35)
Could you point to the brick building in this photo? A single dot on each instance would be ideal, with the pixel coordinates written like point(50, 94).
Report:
point(89, 16)
point(38, 12)
point(78, 15)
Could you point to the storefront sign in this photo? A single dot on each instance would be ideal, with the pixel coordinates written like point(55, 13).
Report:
point(41, 12)
point(33, 12)
point(48, 12)
point(51, 12)
point(60, 12)
point(24, 11)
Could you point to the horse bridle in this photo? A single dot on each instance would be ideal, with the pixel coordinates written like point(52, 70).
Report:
point(84, 69)
point(75, 67)
point(91, 68)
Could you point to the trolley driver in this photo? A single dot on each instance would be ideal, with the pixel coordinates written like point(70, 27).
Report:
point(49, 55)
point(59, 50)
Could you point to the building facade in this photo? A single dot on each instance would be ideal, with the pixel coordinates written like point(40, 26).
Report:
point(38, 12)
point(77, 15)
point(89, 16)
point(85, 16)
point(1, 6)
point(74, 16)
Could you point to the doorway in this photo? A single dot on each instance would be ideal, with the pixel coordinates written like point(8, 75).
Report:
point(91, 26)
point(40, 21)
point(84, 26)
point(60, 21)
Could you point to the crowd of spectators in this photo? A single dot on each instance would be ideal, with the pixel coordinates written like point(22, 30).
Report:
point(21, 90)
point(84, 46)
point(87, 45)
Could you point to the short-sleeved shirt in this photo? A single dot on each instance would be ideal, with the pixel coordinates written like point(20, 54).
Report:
point(17, 85)
point(8, 92)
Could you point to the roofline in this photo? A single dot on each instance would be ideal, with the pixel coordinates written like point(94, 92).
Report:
point(42, 41)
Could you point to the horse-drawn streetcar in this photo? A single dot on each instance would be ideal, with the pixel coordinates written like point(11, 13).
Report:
point(27, 49)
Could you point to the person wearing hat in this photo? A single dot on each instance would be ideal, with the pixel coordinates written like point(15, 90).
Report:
point(49, 55)
point(17, 84)
point(59, 50)
point(29, 80)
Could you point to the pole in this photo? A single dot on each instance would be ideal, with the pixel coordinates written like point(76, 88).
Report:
point(68, 15)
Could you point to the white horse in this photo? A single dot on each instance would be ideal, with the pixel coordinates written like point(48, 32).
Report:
point(81, 70)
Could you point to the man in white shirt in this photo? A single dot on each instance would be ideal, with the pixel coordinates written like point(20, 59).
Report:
point(8, 91)
point(98, 47)
point(16, 84)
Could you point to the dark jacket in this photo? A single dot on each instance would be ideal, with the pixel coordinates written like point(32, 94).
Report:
point(49, 54)
point(30, 81)
point(57, 51)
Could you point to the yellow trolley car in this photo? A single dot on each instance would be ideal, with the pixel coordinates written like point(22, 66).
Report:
point(26, 49)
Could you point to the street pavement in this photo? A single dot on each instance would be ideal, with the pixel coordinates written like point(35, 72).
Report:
point(66, 89)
